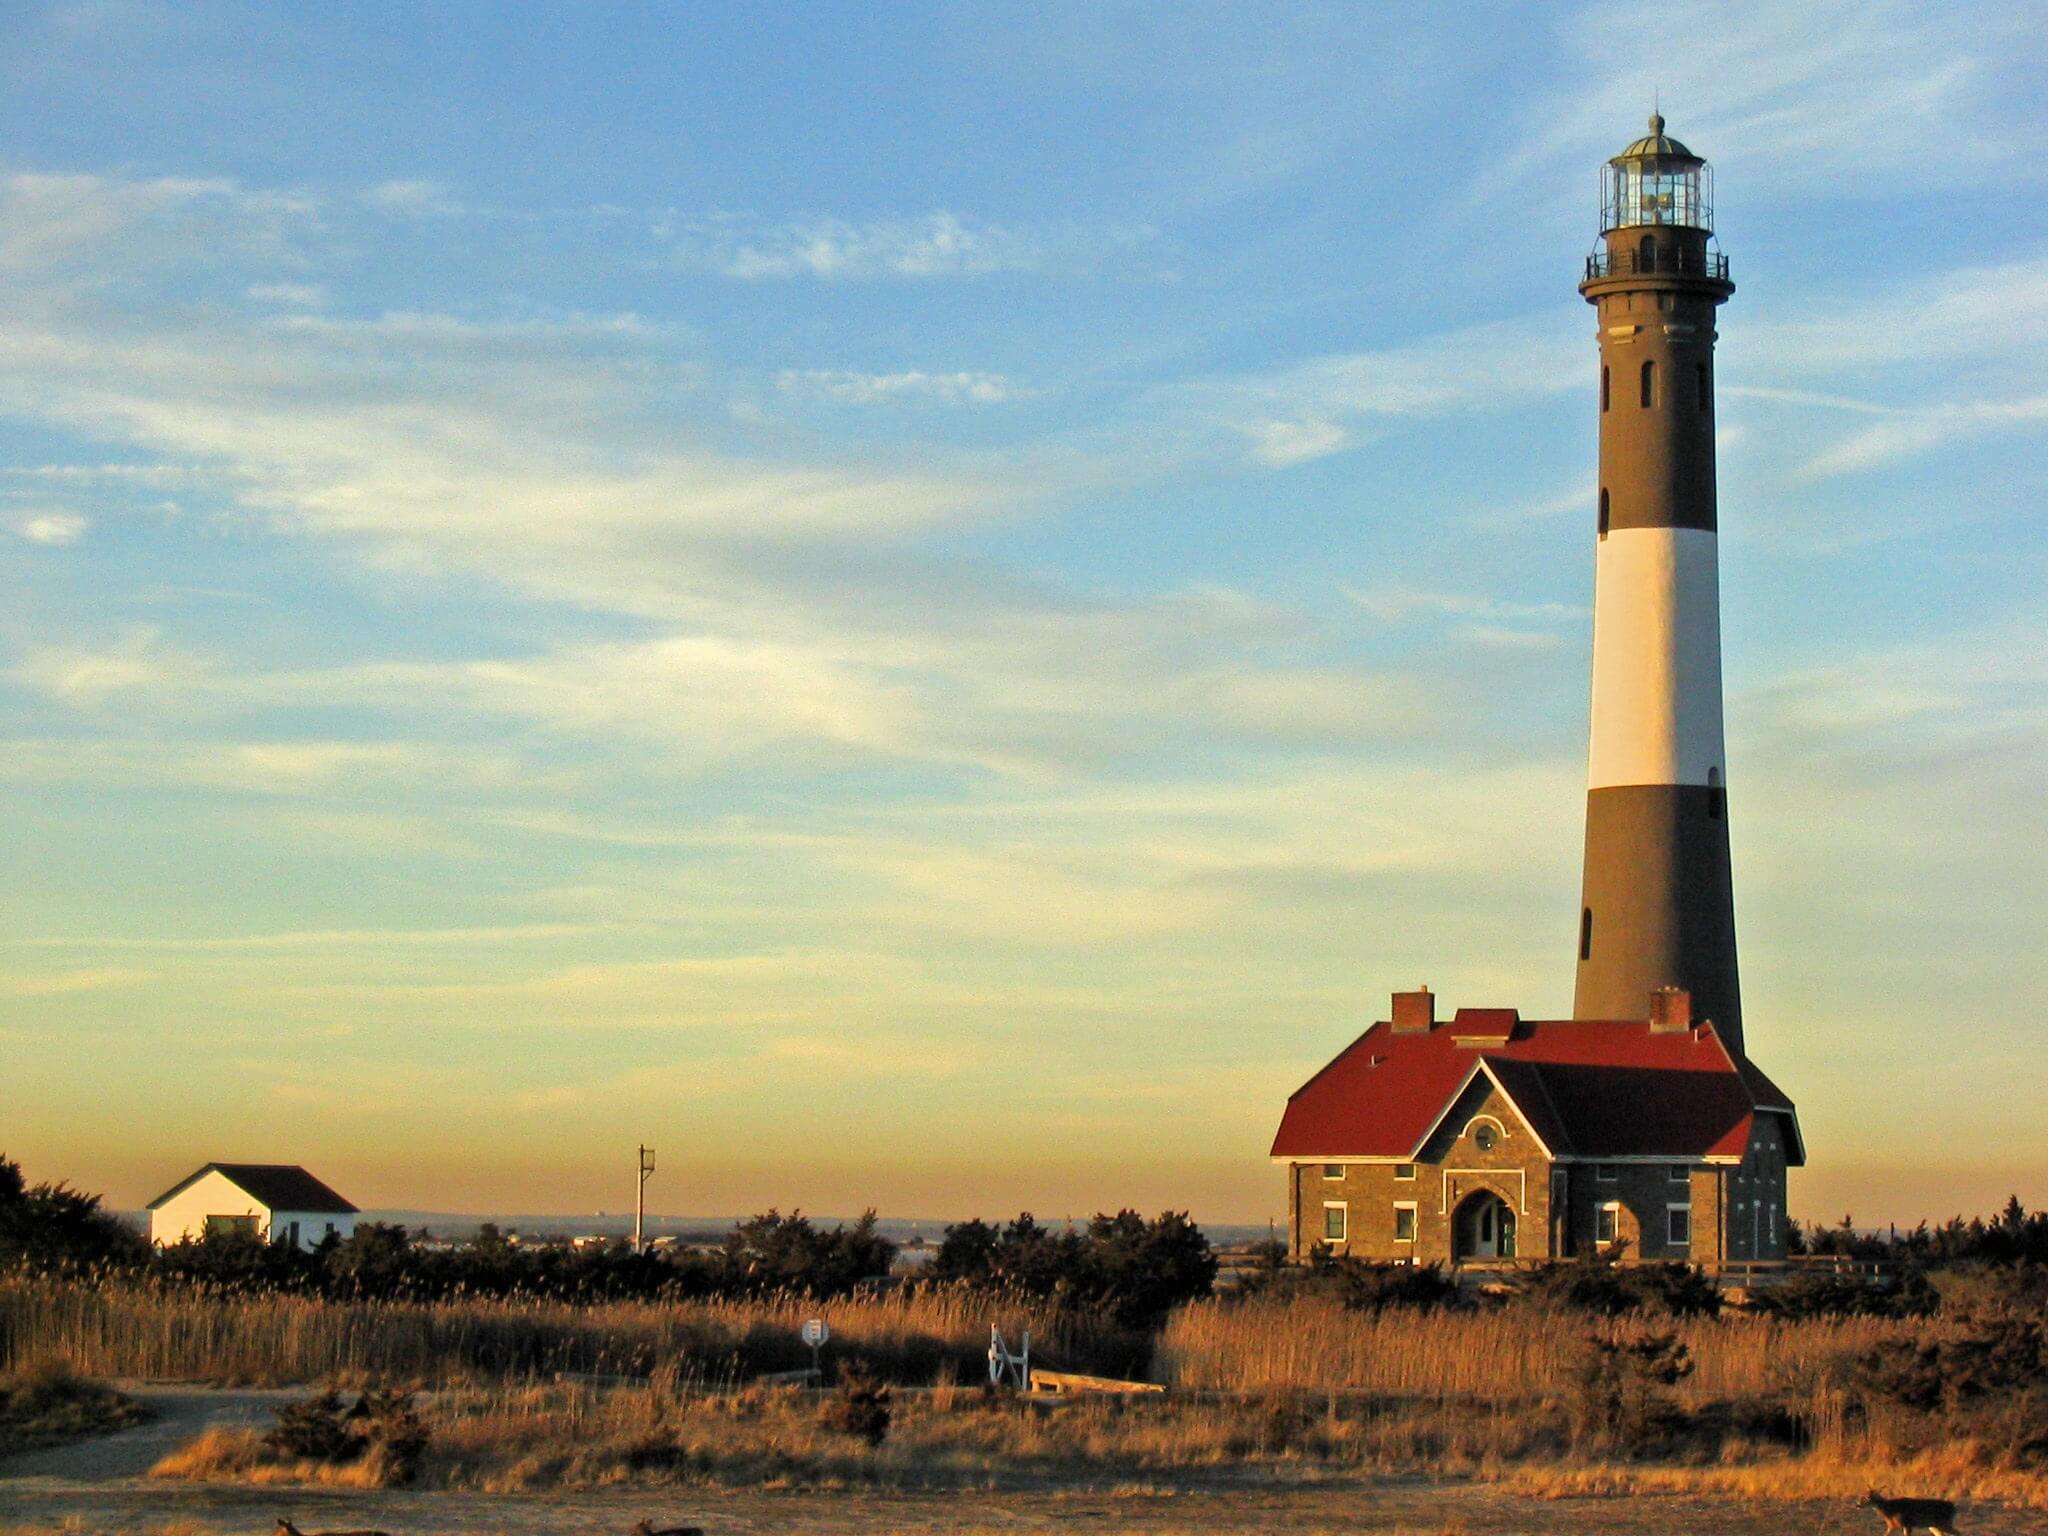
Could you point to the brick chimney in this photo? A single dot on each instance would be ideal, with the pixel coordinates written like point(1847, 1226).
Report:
point(1670, 1011)
point(1414, 1012)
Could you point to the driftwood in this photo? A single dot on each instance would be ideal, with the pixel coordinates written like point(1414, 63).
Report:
point(648, 1528)
point(1064, 1382)
point(286, 1528)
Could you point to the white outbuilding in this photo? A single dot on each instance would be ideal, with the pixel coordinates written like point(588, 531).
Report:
point(278, 1202)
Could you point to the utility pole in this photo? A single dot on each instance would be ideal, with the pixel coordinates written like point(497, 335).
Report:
point(640, 1200)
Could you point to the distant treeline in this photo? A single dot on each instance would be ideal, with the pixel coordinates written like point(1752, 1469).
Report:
point(1130, 1268)
point(2014, 1236)
point(1123, 1267)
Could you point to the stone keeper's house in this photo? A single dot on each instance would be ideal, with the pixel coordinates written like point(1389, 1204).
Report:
point(1491, 1137)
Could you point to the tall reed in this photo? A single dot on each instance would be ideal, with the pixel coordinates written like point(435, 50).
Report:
point(1503, 1353)
point(112, 1329)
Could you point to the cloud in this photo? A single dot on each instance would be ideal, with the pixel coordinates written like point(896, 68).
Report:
point(1281, 443)
point(1396, 604)
point(327, 938)
point(411, 199)
point(88, 678)
point(877, 388)
point(69, 983)
point(76, 232)
point(1833, 97)
point(295, 295)
point(935, 245)
point(52, 527)
point(1307, 410)
point(1909, 433)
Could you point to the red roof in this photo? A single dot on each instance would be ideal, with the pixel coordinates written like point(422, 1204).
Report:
point(1587, 1088)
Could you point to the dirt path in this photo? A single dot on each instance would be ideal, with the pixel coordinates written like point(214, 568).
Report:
point(177, 1413)
point(102, 1486)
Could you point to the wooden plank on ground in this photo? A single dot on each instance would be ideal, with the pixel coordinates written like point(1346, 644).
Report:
point(1074, 1381)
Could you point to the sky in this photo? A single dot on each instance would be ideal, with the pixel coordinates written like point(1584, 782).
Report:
point(929, 605)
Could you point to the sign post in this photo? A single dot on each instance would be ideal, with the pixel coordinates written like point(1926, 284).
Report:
point(816, 1332)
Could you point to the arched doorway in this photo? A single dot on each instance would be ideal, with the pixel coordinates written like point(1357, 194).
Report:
point(1484, 1227)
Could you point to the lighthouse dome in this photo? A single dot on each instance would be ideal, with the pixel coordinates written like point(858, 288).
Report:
point(1657, 145)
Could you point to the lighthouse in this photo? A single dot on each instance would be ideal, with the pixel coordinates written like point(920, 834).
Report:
point(1658, 906)
point(1639, 1126)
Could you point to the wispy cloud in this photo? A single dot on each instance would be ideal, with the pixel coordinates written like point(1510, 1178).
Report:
point(411, 199)
point(52, 527)
point(1906, 434)
point(1309, 410)
point(934, 245)
point(878, 388)
point(69, 983)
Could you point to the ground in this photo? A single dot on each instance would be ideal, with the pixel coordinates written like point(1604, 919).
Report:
point(101, 1485)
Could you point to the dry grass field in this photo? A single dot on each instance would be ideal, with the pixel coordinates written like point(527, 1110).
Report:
point(529, 1400)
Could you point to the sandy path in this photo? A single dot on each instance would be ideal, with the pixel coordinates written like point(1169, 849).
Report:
point(102, 1486)
point(178, 1413)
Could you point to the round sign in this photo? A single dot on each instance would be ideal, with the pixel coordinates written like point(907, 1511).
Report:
point(815, 1332)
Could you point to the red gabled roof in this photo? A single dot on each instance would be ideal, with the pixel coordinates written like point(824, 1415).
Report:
point(1587, 1088)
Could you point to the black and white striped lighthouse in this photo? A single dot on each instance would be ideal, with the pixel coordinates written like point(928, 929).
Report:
point(1658, 907)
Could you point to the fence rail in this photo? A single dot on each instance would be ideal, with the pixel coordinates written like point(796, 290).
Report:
point(1665, 260)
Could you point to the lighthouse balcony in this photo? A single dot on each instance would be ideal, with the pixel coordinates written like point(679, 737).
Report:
point(1657, 258)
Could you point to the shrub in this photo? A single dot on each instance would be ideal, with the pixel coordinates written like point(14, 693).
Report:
point(1619, 1399)
point(1611, 1290)
point(1832, 1295)
point(859, 1408)
point(381, 1428)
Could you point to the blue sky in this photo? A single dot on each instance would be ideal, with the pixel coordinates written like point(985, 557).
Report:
point(928, 606)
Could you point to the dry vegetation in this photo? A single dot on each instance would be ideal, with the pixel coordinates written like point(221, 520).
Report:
point(114, 1329)
point(1267, 1392)
point(47, 1404)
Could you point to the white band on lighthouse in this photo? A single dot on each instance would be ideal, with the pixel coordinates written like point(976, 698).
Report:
point(1656, 659)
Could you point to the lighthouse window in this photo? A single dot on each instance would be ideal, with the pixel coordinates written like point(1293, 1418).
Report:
point(1603, 389)
point(1586, 934)
point(1706, 399)
point(1603, 512)
point(1649, 384)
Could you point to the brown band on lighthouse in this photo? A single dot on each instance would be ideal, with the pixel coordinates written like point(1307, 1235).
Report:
point(1658, 908)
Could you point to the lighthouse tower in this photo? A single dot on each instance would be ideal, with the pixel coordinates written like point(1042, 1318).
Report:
point(1658, 908)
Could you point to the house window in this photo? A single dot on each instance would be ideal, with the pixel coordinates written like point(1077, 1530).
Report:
point(1606, 1173)
point(1603, 512)
point(1678, 1225)
point(330, 1229)
point(1485, 1137)
point(1404, 1221)
point(1333, 1170)
point(1609, 1228)
point(1404, 1170)
point(1650, 383)
point(223, 1225)
point(1586, 917)
point(1335, 1221)
point(1681, 1173)
point(291, 1233)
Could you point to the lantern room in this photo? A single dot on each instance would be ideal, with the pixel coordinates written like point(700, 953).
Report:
point(1657, 212)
